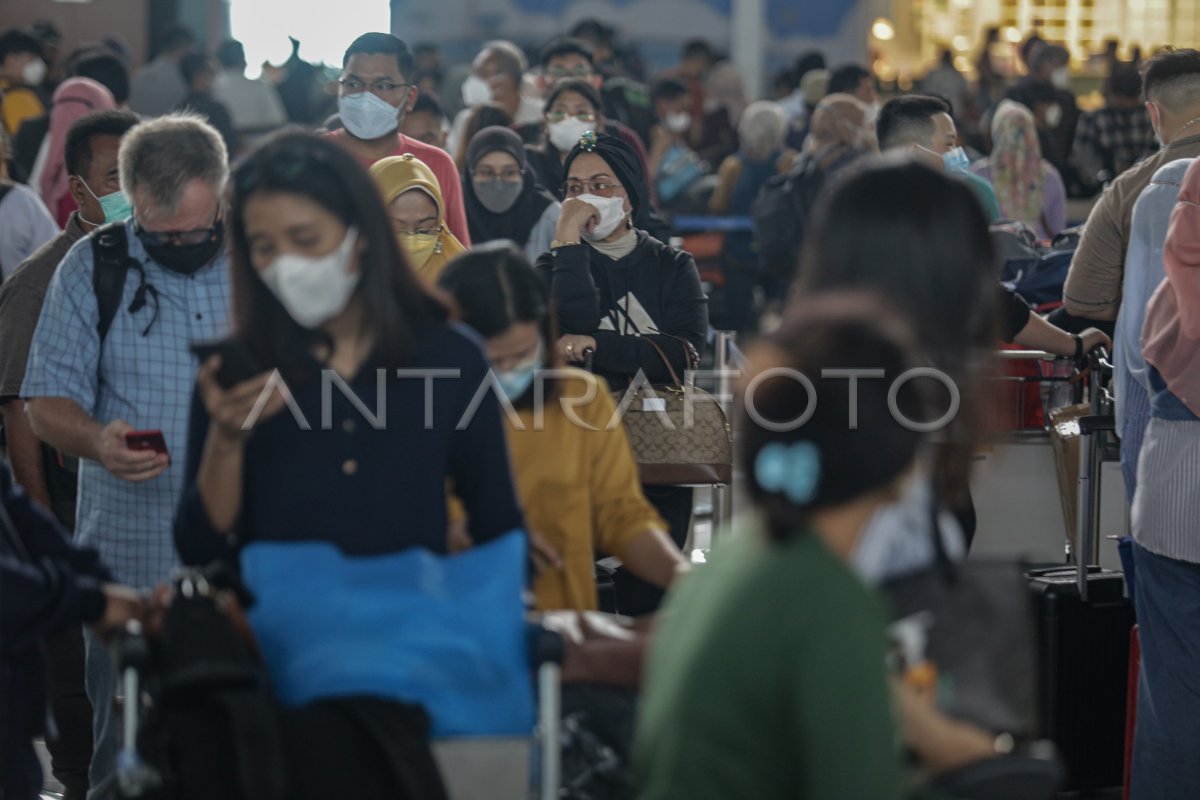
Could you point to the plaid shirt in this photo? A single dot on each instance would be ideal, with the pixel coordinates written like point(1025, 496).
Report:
point(145, 380)
point(1112, 140)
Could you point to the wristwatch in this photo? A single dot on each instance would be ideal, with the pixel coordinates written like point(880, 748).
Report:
point(554, 245)
point(1078, 345)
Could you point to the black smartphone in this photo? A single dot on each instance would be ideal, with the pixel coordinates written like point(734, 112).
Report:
point(237, 362)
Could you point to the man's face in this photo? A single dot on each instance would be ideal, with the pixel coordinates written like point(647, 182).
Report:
point(14, 65)
point(203, 82)
point(424, 127)
point(676, 105)
point(487, 66)
point(379, 74)
point(198, 206)
point(945, 135)
point(866, 92)
point(102, 178)
point(570, 65)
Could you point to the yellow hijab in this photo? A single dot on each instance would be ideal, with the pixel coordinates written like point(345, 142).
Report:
point(397, 175)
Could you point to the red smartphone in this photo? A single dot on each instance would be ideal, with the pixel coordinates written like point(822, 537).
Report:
point(147, 440)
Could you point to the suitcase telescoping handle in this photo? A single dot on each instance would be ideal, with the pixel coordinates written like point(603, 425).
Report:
point(1091, 430)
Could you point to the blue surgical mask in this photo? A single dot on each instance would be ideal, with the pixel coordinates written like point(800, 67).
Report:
point(516, 381)
point(956, 160)
point(116, 206)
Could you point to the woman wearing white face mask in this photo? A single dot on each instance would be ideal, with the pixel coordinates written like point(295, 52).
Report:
point(572, 108)
point(324, 297)
point(578, 484)
point(503, 197)
point(619, 292)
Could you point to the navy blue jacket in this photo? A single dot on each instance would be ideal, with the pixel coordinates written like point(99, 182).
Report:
point(370, 486)
point(46, 585)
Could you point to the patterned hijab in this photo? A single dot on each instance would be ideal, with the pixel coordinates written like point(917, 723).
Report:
point(1016, 164)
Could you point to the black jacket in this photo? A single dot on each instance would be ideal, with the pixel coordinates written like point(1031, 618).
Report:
point(46, 584)
point(667, 299)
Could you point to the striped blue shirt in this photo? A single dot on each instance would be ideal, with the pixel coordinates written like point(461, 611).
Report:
point(146, 380)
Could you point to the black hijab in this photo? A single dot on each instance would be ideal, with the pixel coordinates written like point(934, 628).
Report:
point(517, 223)
point(626, 168)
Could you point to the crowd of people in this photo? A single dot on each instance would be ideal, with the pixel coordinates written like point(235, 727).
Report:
point(480, 249)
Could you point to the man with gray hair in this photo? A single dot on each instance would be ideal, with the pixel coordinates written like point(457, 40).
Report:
point(497, 76)
point(110, 357)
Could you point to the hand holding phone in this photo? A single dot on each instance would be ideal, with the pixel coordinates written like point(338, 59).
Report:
point(147, 440)
point(131, 455)
point(238, 364)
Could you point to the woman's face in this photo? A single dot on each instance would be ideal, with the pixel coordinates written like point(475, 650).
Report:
point(282, 223)
point(498, 165)
point(573, 104)
point(413, 212)
point(593, 175)
point(514, 346)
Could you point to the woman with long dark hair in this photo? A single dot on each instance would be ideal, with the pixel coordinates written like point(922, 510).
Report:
point(623, 296)
point(574, 472)
point(346, 451)
point(921, 240)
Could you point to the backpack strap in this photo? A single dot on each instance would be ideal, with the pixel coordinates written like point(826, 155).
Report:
point(110, 258)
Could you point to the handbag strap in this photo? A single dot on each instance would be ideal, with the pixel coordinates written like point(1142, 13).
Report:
point(666, 361)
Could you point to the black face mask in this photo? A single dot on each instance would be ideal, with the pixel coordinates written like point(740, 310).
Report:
point(187, 258)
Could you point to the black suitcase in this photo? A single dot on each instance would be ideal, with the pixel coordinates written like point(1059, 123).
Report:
point(1083, 624)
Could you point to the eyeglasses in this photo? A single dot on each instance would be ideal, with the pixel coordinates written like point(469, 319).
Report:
point(558, 116)
point(599, 188)
point(355, 86)
point(581, 71)
point(181, 238)
point(512, 175)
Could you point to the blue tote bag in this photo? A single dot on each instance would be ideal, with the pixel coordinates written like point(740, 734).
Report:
point(444, 632)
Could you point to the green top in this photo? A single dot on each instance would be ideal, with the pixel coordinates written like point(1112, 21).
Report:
point(985, 194)
point(766, 680)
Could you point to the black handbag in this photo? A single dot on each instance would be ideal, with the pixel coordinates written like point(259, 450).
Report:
point(979, 619)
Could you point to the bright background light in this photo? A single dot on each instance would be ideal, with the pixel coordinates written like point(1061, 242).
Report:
point(263, 27)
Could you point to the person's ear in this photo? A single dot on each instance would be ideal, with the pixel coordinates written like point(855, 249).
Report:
point(413, 94)
point(78, 191)
point(597, 81)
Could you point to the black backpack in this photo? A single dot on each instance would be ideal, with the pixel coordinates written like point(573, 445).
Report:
point(781, 212)
point(111, 262)
point(785, 206)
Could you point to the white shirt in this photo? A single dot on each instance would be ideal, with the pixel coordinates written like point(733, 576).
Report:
point(254, 106)
point(25, 225)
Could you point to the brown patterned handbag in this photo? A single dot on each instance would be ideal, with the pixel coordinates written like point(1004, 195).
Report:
point(679, 434)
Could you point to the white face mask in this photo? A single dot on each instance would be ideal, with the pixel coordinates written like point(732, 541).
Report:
point(678, 122)
point(1054, 115)
point(34, 72)
point(1061, 78)
point(476, 91)
point(368, 117)
point(313, 290)
point(566, 134)
point(612, 214)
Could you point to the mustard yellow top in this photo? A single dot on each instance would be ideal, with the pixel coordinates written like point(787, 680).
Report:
point(580, 490)
point(397, 175)
point(20, 103)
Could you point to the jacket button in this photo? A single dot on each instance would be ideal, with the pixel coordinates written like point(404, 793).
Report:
point(350, 466)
